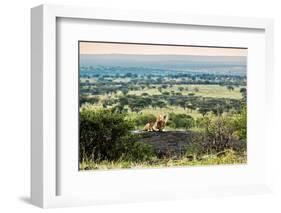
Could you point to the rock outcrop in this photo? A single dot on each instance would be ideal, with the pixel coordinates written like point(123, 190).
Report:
point(167, 143)
point(174, 143)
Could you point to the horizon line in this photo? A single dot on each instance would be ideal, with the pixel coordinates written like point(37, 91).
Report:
point(163, 54)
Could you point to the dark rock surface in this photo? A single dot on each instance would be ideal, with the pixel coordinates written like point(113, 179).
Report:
point(167, 143)
point(174, 143)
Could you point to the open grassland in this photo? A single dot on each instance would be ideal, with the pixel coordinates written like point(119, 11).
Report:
point(211, 91)
point(214, 91)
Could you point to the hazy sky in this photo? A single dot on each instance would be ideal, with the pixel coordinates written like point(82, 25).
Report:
point(115, 48)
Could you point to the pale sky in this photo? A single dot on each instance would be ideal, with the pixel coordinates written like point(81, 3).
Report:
point(116, 48)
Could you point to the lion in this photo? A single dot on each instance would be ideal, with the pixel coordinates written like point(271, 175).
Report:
point(158, 125)
point(148, 127)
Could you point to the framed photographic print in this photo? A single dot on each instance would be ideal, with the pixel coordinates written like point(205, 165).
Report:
point(129, 106)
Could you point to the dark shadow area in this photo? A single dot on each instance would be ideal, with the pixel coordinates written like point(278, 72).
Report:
point(26, 200)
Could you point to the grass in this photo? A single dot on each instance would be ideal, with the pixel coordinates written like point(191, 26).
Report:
point(229, 158)
point(175, 109)
point(212, 91)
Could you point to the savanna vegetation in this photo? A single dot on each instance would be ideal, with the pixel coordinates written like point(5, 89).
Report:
point(115, 107)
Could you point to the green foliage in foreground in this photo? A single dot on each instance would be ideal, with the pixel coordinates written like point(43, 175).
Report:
point(240, 122)
point(220, 131)
point(105, 135)
point(230, 157)
point(107, 141)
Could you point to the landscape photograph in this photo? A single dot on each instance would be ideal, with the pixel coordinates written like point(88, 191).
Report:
point(158, 105)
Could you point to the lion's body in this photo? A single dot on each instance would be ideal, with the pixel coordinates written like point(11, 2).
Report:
point(148, 127)
point(158, 125)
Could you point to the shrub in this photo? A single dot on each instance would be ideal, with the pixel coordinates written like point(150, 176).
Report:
point(137, 152)
point(240, 122)
point(142, 120)
point(106, 135)
point(193, 149)
point(180, 121)
point(219, 131)
point(88, 99)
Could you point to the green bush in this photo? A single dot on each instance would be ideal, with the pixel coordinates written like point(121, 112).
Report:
point(137, 152)
point(219, 131)
point(194, 149)
point(106, 135)
point(240, 122)
point(88, 99)
point(180, 121)
point(142, 120)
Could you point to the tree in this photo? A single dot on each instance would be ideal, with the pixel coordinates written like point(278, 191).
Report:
point(181, 89)
point(125, 91)
point(196, 89)
point(161, 104)
point(88, 99)
point(243, 92)
point(203, 110)
point(144, 94)
point(230, 88)
point(190, 107)
point(182, 103)
point(218, 109)
point(164, 86)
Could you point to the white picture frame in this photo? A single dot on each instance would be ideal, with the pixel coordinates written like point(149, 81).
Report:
point(44, 154)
